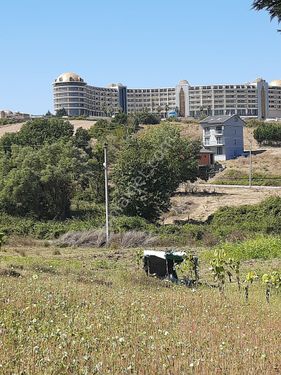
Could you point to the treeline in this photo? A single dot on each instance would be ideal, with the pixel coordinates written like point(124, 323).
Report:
point(268, 134)
point(50, 172)
point(9, 121)
point(45, 166)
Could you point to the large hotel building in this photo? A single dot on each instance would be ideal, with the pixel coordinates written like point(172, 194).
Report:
point(256, 99)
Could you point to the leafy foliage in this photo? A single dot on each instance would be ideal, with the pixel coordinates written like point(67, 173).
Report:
point(261, 247)
point(147, 118)
point(268, 134)
point(100, 129)
point(44, 166)
point(148, 170)
point(272, 6)
point(61, 112)
point(264, 217)
point(38, 182)
point(7, 121)
point(2, 239)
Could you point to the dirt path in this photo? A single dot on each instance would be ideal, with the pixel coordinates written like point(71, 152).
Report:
point(206, 200)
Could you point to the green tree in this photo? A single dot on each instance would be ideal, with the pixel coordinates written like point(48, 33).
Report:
point(61, 112)
point(38, 182)
point(268, 134)
point(100, 129)
point(41, 182)
point(7, 140)
point(120, 118)
point(149, 169)
point(39, 131)
point(147, 118)
point(272, 6)
point(82, 140)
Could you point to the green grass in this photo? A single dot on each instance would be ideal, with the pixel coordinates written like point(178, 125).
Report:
point(99, 314)
point(261, 247)
point(11, 225)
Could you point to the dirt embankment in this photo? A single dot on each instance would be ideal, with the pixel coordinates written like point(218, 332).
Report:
point(204, 201)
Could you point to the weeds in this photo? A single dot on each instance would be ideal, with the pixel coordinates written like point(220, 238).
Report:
point(124, 322)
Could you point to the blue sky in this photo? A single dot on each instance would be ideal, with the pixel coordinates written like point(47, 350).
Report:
point(141, 43)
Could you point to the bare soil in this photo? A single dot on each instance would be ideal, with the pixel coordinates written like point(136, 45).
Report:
point(198, 206)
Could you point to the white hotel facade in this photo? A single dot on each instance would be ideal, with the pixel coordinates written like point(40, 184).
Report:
point(256, 99)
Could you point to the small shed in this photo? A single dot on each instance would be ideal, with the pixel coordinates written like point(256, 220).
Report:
point(161, 263)
point(206, 157)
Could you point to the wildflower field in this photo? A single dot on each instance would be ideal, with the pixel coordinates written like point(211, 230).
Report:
point(94, 311)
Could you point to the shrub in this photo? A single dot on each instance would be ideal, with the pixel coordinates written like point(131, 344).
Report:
point(262, 247)
point(127, 223)
point(264, 217)
point(253, 123)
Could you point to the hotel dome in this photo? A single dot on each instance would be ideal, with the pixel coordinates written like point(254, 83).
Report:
point(276, 83)
point(69, 77)
point(183, 82)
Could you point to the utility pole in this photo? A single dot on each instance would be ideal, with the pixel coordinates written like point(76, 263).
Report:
point(250, 164)
point(105, 165)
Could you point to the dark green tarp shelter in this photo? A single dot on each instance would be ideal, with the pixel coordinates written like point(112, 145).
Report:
point(161, 263)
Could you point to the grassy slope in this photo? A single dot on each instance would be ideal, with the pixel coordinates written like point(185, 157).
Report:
point(93, 311)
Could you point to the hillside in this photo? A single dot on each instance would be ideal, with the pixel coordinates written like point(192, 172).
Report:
point(14, 128)
point(204, 201)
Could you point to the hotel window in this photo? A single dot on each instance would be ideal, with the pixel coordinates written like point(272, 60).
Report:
point(207, 141)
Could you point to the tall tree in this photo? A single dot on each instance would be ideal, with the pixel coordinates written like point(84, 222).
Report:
point(272, 6)
point(61, 112)
point(149, 169)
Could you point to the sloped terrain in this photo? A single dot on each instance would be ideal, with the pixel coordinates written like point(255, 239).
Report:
point(204, 201)
point(14, 128)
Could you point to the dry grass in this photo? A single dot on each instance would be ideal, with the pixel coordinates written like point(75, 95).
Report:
point(111, 320)
point(265, 163)
point(206, 200)
point(97, 238)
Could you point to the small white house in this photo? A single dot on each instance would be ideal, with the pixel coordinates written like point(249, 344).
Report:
point(224, 136)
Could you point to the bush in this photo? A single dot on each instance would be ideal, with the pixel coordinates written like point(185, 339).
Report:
point(126, 223)
point(253, 123)
point(147, 118)
point(264, 217)
point(8, 121)
point(11, 225)
point(262, 247)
